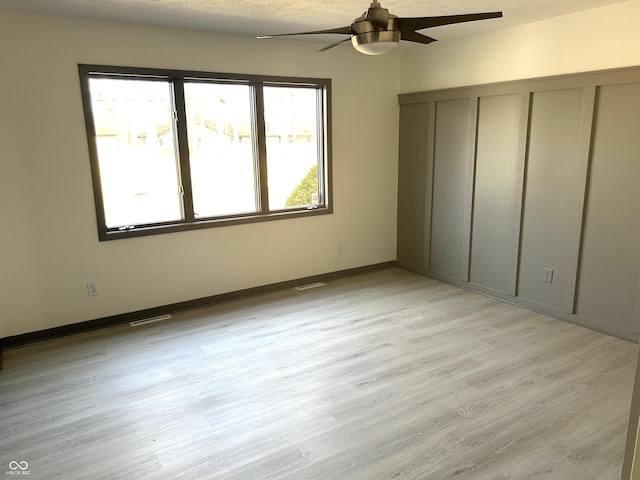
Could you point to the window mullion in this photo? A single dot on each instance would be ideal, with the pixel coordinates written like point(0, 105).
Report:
point(183, 149)
point(260, 146)
point(322, 145)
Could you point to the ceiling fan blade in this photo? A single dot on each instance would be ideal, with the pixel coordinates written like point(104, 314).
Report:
point(339, 30)
point(377, 16)
point(411, 36)
point(324, 49)
point(418, 23)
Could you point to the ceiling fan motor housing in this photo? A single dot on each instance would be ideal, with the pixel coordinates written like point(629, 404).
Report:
point(372, 39)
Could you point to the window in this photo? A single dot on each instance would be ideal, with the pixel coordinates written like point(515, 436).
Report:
point(174, 150)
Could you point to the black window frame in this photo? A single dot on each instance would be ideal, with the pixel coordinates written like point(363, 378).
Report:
point(177, 78)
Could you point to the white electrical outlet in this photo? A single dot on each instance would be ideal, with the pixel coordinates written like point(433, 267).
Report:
point(548, 275)
point(340, 247)
point(442, 250)
point(92, 289)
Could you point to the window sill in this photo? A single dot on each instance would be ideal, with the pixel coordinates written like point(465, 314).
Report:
point(143, 231)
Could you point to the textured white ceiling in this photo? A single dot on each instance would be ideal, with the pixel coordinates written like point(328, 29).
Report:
point(256, 17)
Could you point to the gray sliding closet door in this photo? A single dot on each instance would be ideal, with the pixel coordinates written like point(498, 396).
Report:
point(498, 191)
point(412, 176)
point(548, 236)
point(452, 174)
point(610, 269)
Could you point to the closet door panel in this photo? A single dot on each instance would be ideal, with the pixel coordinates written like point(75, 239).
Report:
point(453, 163)
point(548, 214)
point(412, 184)
point(609, 280)
point(498, 191)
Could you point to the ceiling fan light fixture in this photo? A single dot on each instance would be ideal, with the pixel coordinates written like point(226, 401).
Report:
point(376, 43)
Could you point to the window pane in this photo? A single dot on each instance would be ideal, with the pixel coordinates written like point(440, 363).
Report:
point(220, 149)
point(291, 124)
point(136, 151)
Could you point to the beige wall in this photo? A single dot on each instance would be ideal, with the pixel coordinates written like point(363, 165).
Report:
point(597, 39)
point(49, 238)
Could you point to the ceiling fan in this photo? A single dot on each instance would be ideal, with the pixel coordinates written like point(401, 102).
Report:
point(377, 31)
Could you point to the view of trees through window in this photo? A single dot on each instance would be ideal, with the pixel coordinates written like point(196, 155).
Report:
point(292, 145)
point(142, 164)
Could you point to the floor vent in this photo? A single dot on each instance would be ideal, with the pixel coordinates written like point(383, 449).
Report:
point(311, 285)
point(150, 320)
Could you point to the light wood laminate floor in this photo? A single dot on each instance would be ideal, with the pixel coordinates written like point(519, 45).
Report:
point(385, 375)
